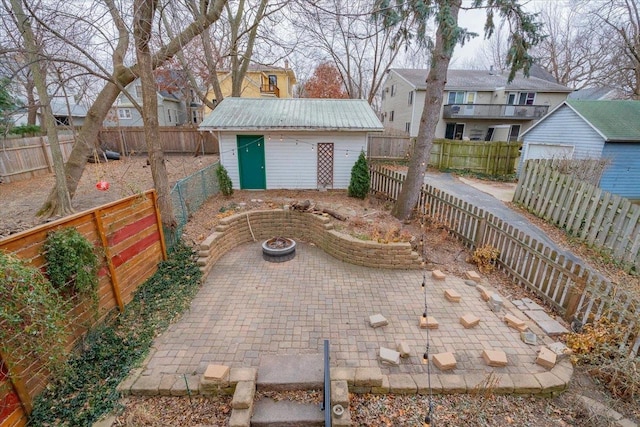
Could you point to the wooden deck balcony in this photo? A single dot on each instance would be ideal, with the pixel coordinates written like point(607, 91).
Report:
point(494, 111)
point(270, 89)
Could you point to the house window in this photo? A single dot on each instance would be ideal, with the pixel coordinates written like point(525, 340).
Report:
point(391, 114)
point(410, 101)
point(461, 97)
point(169, 115)
point(393, 90)
point(454, 131)
point(138, 91)
point(526, 98)
point(196, 116)
point(407, 127)
point(124, 113)
point(514, 133)
point(489, 134)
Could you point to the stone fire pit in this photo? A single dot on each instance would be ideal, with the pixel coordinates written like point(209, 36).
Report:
point(278, 249)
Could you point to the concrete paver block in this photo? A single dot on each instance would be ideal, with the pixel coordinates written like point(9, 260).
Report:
point(403, 348)
point(242, 374)
point(382, 389)
point(343, 374)
point(438, 275)
point(240, 418)
point(452, 295)
point(560, 350)
point(549, 325)
point(185, 385)
point(125, 386)
point(496, 358)
point(529, 337)
point(515, 322)
point(495, 302)
point(427, 383)
point(340, 393)
point(444, 361)
point(472, 275)
point(485, 294)
point(368, 377)
point(546, 358)
point(216, 373)
point(389, 356)
point(469, 321)
point(453, 384)
point(402, 384)
point(551, 383)
point(428, 322)
point(531, 304)
point(377, 320)
point(146, 385)
point(525, 384)
point(243, 396)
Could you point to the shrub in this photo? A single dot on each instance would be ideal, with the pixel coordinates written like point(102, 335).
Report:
point(24, 130)
point(360, 180)
point(32, 324)
point(226, 185)
point(72, 263)
point(485, 258)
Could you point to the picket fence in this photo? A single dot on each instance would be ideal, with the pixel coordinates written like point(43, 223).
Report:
point(574, 290)
point(598, 217)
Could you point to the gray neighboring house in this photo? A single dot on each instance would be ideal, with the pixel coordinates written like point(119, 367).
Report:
point(66, 114)
point(592, 129)
point(291, 143)
point(594, 94)
point(478, 105)
point(172, 110)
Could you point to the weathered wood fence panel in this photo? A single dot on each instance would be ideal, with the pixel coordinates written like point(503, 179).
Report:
point(490, 157)
point(25, 158)
point(128, 237)
point(129, 140)
point(597, 217)
point(574, 290)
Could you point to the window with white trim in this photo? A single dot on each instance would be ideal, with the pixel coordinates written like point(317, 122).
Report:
point(393, 90)
point(139, 91)
point(461, 97)
point(410, 100)
point(124, 113)
point(407, 127)
point(527, 98)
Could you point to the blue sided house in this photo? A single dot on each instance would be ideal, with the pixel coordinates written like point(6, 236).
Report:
point(588, 130)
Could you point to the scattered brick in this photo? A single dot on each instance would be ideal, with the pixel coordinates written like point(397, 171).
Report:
point(438, 275)
point(217, 373)
point(472, 275)
point(515, 322)
point(484, 293)
point(494, 357)
point(469, 321)
point(444, 361)
point(451, 295)
point(495, 302)
point(403, 348)
point(378, 320)
point(546, 358)
point(389, 356)
point(428, 322)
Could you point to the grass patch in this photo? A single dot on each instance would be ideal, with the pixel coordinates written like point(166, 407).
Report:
point(87, 388)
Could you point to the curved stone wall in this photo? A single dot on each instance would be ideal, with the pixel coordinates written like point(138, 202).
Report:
point(306, 227)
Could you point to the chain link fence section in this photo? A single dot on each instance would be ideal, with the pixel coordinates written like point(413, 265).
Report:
point(188, 195)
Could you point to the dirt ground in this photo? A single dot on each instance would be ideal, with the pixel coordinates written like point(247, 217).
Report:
point(367, 219)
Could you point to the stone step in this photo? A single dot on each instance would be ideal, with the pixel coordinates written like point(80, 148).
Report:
point(291, 372)
point(267, 412)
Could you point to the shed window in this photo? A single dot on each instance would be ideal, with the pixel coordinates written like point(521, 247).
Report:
point(124, 113)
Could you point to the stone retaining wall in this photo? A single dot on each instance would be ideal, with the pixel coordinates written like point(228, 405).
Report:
point(264, 224)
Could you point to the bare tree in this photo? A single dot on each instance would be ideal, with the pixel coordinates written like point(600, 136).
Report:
point(344, 33)
point(33, 56)
point(418, 13)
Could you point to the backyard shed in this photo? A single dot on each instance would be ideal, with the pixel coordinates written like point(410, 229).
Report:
point(291, 143)
point(592, 130)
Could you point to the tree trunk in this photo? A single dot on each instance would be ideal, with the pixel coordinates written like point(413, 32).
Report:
point(122, 76)
point(436, 79)
point(61, 204)
point(144, 11)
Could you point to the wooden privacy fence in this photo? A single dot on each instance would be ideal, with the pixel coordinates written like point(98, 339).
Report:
point(25, 158)
point(129, 241)
point(181, 140)
point(573, 289)
point(489, 157)
point(597, 217)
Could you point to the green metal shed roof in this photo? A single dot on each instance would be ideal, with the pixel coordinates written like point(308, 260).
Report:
point(242, 114)
point(615, 120)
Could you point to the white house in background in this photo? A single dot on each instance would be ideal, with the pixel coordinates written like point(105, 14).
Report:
point(172, 110)
point(302, 143)
point(478, 105)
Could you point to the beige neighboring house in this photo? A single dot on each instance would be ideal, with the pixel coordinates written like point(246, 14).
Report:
point(478, 105)
point(259, 82)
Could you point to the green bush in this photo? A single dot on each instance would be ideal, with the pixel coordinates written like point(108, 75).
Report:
point(24, 130)
point(72, 263)
point(360, 180)
point(226, 186)
point(31, 314)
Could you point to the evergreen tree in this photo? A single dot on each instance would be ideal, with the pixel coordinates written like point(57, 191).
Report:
point(359, 184)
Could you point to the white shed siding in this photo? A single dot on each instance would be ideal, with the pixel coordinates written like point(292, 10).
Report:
point(292, 162)
point(564, 127)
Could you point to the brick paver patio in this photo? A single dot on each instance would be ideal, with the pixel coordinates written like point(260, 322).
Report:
point(248, 307)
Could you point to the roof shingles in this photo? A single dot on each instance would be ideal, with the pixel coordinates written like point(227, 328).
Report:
point(616, 120)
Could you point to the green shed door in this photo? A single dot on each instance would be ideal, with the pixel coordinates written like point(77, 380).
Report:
point(251, 162)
